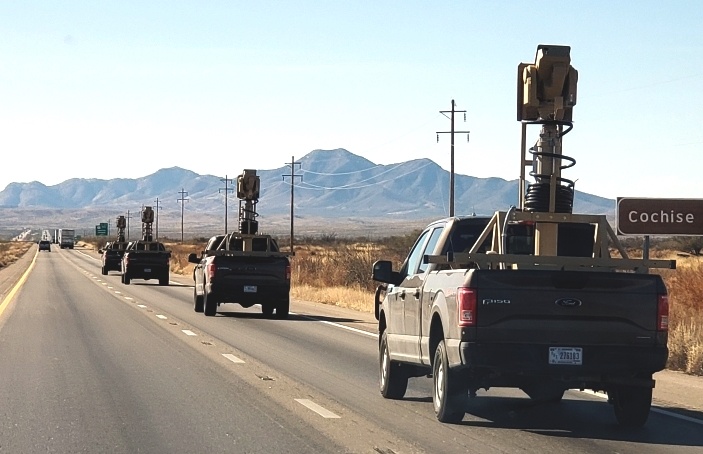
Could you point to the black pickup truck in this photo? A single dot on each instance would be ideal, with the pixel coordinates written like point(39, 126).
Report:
point(145, 260)
point(244, 269)
point(111, 256)
point(474, 308)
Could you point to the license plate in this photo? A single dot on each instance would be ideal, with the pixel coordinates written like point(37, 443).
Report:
point(147, 270)
point(572, 356)
point(250, 289)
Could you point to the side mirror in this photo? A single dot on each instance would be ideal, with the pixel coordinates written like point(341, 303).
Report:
point(193, 258)
point(383, 272)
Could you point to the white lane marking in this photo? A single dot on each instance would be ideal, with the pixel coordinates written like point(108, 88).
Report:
point(109, 286)
point(654, 409)
point(162, 317)
point(188, 332)
point(233, 358)
point(322, 411)
point(128, 298)
point(141, 305)
point(348, 328)
point(118, 292)
point(105, 283)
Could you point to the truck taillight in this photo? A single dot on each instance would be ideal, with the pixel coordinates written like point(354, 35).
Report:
point(466, 302)
point(211, 269)
point(288, 272)
point(663, 313)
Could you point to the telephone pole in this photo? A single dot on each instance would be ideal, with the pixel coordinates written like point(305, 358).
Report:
point(452, 132)
point(227, 190)
point(128, 218)
point(157, 217)
point(292, 176)
point(183, 199)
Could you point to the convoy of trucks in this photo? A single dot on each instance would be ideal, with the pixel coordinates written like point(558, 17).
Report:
point(530, 298)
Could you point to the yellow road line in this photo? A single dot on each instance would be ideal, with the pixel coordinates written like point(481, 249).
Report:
point(8, 298)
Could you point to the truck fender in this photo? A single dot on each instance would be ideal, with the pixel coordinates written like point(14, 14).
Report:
point(438, 319)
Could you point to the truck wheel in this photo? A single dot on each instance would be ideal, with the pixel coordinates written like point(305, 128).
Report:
point(393, 379)
point(125, 278)
point(209, 305)
point(631, 405)
point(103, 271)
point(448, 394)
point(198, 300)
point(267, 309)
point(282, 309)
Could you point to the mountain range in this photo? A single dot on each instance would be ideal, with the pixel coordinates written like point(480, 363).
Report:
point(336, 185)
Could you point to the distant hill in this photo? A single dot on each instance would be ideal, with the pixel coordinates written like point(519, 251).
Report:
point(336, 184)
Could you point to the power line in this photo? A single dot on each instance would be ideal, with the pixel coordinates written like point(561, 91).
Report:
point(314, 187)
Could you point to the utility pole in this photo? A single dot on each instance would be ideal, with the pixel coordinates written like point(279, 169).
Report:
point(452, 132)
point(226, 190)
point(128, 218)
point(183, 199)
point(292, 176)
point(157, 218)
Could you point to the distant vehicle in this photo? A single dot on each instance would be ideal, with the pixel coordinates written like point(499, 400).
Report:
point(242, 269)
point(66, 238)
point(112, 255)
point(146, 258)
point(45, 245)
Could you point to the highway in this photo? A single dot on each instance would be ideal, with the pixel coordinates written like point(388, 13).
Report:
point(88, 364)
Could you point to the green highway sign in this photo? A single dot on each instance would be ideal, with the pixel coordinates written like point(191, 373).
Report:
point(101, 229)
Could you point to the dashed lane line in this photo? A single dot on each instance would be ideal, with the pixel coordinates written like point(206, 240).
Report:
point(322, 411)
point(162, 317)
point(233, 358)
point(141, 305)
point(337, 325)
point(661, 411)
point(188, 332)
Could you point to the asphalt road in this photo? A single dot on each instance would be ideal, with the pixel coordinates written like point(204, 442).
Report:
point(88, 364)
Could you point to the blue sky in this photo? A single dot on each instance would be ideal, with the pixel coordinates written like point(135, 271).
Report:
point(122, 89)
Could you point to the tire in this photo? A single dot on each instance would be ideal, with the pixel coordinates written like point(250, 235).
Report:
point(631, 405)
point(209, 305)
point(393, 379)
point(199, 301)
point(103, 271)
point(125, 278)
point(267, 309)
point(449, 396)
point(283, 309)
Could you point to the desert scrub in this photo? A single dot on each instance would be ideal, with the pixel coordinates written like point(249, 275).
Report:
point(11, 251)
point(685, 287)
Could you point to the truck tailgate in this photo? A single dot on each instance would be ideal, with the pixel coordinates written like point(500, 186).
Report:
point(566, 307)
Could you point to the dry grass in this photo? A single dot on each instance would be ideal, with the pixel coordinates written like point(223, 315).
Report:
point(11, 251)
point(351, 298)
point(685, 287)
